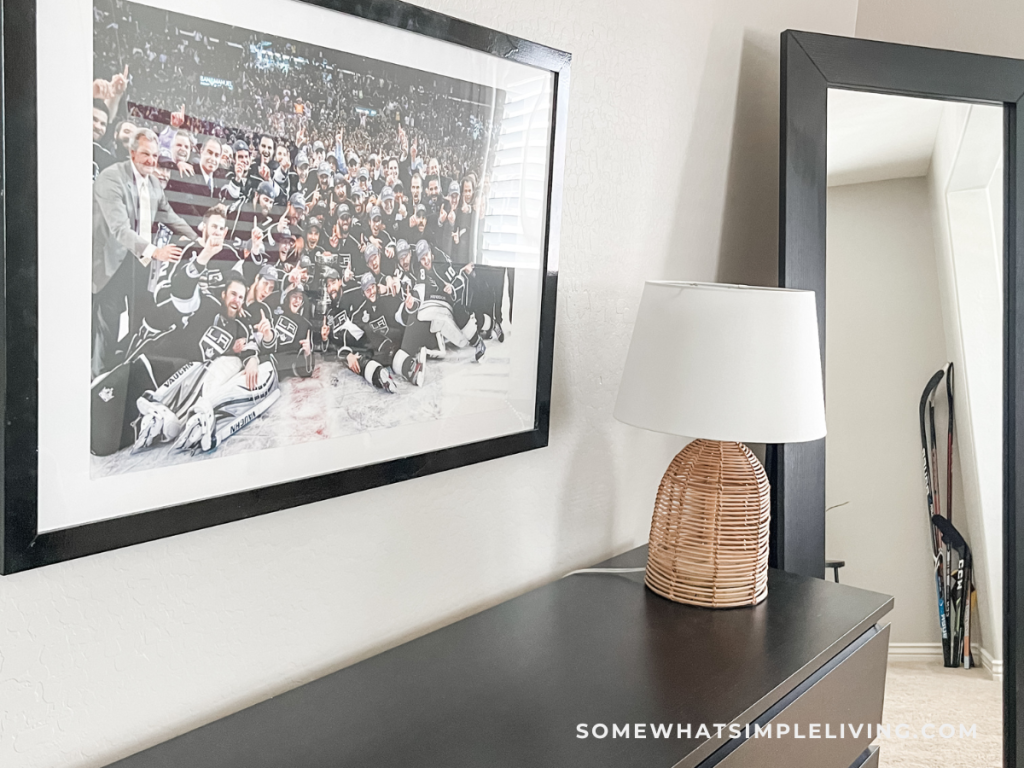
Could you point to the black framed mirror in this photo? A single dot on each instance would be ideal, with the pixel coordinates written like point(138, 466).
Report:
point(813, 66)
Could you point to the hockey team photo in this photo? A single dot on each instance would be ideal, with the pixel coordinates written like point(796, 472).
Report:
point(294, 244)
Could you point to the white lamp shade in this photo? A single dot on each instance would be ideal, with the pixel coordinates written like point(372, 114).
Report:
point(724, 362)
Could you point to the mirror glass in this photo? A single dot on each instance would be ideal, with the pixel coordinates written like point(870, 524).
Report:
point(914, 271)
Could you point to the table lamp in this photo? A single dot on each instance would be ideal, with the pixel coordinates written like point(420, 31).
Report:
point(724, 364)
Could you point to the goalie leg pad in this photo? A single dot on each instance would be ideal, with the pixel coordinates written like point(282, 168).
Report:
point(182, 388)
point(221, 371)
point(225, 409)
point(162, 411)
point(157, 423)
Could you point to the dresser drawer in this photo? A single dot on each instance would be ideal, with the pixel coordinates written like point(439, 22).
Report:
point(869, 759)
point(849, 689)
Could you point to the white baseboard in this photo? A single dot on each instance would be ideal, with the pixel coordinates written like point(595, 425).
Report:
point(915, 651)
point(995, 666)
point(933, 652)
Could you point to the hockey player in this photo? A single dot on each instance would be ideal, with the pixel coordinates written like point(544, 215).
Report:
point(339, 194)
point(389, 339)
point(347, 340)
point(250, 222)
point(388, 208)
point(338, 334)
point(387, 283)
point(343, 243)
point(285, 178)
point(293, 338)
point(314, 229)
point(441, 289)
point(258, 303)
point(213, 382)
point(237, 187)
point(359, 224)
point(404, 273)
point(379, 236)
point(321, 193)
point(439, 216)
point(221, 264)
point(414, 228)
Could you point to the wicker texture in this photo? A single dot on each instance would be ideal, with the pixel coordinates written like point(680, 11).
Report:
point(709, 535)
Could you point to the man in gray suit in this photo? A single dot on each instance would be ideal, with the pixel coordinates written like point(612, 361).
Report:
point(127, 202)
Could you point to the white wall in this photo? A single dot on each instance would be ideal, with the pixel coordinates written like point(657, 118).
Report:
point(980, 26)
point(885, 339)
point(965, 191)
point(110, 654)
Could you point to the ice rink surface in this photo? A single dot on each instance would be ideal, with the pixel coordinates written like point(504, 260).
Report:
point(335, 402)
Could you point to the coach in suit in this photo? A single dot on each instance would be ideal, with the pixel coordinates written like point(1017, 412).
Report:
point(127, 202)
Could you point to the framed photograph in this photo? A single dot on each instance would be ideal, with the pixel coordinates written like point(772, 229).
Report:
point(309, 248)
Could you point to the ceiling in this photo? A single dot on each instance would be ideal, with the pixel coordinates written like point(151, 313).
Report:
point(873, 137)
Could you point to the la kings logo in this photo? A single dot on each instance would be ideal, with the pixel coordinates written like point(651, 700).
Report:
point(380, 324)
point(214, 342)
point(337, 320)
point(286, 329)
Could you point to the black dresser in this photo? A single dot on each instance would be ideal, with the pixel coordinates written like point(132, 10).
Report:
point(588, 671)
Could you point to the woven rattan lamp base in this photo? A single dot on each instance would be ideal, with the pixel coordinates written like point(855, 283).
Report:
point(709, 535)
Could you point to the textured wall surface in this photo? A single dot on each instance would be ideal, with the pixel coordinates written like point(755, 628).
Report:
point(105, 656)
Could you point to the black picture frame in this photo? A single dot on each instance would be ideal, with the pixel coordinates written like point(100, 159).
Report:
point(22, 547)
point(811, 64)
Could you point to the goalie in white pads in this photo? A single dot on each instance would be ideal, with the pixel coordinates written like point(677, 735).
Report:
point(217, 384)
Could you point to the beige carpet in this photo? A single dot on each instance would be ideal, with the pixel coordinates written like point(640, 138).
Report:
point(919, 693)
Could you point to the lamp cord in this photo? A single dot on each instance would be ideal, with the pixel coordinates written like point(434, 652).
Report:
point(606, 570)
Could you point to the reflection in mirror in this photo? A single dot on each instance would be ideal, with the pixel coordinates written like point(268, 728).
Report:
point(914, 268)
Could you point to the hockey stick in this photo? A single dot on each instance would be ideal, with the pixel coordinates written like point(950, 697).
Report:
point(972, 608)
point(947, 560)
point(926, 397)
point(949, 444)
point(954, 540)
point(962, 649)
point(965, 651)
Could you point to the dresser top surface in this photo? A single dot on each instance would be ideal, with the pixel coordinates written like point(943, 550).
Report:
point(510, 685)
